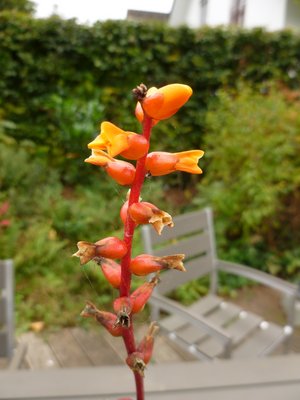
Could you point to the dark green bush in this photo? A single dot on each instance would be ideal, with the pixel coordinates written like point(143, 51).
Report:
point(252, 178)
point(59, 79)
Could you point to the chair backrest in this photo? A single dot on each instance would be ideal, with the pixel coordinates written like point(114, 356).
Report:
point(192, 235)
point(6, 308)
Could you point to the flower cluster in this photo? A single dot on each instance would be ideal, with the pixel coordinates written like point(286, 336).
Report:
point(153, 105)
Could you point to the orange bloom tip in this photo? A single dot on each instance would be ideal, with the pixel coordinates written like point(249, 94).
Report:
point(99, 157)
point(164, 102)
point(116, 141)
point(188, 161)
point(162, 163)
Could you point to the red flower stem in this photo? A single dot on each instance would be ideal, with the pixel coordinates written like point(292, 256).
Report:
point(135, 191)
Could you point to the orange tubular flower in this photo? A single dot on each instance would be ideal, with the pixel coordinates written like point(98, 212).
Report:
point(110, 247)
point(163, 163)
point(147, 213)
point(116, 141)
point(145, 264)
point(111, 270)
point(146, 345)
point(106, 319)
point(121, 171)
point(164, 102)
point(142, 294)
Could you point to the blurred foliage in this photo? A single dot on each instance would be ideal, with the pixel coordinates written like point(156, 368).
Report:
point(59, 80)
point(66, 77)
point(252, 178)
point(17, 5)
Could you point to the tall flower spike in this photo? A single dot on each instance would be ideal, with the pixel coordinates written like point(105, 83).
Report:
point(147, 213)
point(142, 294)
point(121, 171)
point(110, 247)
point(164, 102)
point(106, 319)
point(116, 141)
point(163, 163)
point(145, 264)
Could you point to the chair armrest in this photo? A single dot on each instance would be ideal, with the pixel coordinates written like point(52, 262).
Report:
point(18, 357)
point(258, 276)
point(201, 322)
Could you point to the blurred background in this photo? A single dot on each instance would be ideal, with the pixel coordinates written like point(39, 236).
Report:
point(66, 68)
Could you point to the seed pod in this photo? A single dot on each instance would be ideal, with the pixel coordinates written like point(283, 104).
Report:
point(142, 294)
point(147, 213)
point(146, 345)
point(136, 363)
point(145, 264)
point(123, 307)
point(111, 270)
point(106, 319)
point(110, 247)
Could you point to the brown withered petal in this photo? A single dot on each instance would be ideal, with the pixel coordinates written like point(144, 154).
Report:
point(160, 219)
point(90, 310)
point(172, 262)
point(86, 252)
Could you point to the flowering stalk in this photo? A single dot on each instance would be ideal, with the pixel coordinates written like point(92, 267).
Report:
point(153, 105)
point(128, 335)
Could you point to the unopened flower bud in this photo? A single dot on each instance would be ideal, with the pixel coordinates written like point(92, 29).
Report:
point(136, 363)
point(164, 102)
point(121, 171)
point(111, 270)
point(123, 307)
point(163, 163)
point(110, 247)
point(106, 319)
point(142, 294)
point(145, 264)
point(145, 347)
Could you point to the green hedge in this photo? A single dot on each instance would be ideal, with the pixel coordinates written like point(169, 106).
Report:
point(252, 179)
point(55, 70)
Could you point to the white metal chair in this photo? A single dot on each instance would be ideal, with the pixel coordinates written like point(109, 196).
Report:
point(14, 355)
point(6, 308)
point(211, 327)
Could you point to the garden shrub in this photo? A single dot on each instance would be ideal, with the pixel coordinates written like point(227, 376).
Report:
point(252, 179)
